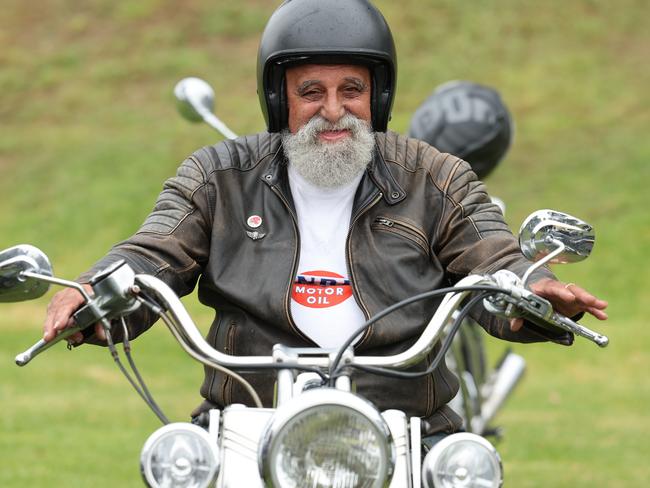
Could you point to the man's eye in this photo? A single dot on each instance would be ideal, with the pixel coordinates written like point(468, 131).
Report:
point(311, 94)
point(311, 97)
point(352, 91)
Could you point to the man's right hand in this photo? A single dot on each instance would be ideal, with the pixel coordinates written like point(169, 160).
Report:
point(59, 315)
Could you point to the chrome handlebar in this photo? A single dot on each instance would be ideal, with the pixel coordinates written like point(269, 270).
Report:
point(190, 337)
point(117, 290)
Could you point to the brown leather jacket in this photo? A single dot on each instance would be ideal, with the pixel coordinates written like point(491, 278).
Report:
point(442, 227)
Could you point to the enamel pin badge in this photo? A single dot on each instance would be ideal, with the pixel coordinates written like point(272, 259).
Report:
point(256, 236)
point(254, 221)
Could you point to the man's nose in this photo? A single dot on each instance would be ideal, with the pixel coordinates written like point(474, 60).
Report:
point(333, 109)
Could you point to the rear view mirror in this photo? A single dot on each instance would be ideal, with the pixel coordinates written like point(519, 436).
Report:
point(546, 231)
point(195, 102)
point(16, 264)
point(195, 98)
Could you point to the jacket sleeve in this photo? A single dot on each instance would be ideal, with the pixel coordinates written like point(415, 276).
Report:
point(473, 238)
point(172, 243)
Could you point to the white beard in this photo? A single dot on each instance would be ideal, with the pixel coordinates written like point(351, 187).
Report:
point(330, 164)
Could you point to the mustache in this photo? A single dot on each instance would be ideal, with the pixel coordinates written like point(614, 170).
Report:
point(318, 123)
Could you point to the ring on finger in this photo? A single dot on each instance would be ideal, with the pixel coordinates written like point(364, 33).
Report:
point(568, 285)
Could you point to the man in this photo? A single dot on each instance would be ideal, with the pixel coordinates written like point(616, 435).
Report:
point(300, 233)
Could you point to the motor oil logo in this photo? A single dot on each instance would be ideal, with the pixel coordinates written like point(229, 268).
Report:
point(320, 289)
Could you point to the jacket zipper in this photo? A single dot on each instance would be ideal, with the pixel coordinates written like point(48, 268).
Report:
point(294, 266)
point(355, 291)
point(229, 349)
point(431, 389)
point(417, 236)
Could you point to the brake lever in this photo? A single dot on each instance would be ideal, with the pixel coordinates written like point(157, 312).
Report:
point(567, 324)
point(523, 303)
point(540, 311)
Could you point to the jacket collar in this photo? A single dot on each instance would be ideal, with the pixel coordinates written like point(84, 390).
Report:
point(380, 174)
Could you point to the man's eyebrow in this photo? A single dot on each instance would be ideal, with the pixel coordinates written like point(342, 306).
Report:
point(306, 85)
point(357, 82)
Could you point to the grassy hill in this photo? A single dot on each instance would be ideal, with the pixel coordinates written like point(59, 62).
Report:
point(88, 132)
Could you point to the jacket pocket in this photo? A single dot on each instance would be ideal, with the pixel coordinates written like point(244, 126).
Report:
point(217, 386)
point(403, 229)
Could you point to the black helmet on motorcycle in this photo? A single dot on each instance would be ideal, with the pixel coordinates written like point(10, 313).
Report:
point(467, 120)
point(325, 32)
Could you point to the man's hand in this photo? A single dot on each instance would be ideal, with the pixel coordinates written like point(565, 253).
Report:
point(568, 299)
point(59, 315)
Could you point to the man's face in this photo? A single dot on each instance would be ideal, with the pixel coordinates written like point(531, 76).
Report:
point(330, 91)
point(330, 141)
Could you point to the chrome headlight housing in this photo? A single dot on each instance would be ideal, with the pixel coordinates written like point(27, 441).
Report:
point(179, 454)
point(462, 461)
point(327, 438)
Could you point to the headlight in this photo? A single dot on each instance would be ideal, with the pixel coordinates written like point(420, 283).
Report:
point(179, 455)
point(462, 461)
point(327, 438)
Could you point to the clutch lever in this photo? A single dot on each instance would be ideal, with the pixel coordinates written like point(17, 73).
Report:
point(85, 318)
point(111, 298)
point(25, 357)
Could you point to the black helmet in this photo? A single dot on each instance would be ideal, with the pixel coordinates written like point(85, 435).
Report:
point(325, 32)
point(467, 120)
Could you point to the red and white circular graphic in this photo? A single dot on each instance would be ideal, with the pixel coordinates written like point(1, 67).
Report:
point(321, 289)
point(254, 221)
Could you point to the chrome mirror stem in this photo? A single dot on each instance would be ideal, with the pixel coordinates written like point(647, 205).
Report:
point(216, 123)
point(57, 281)
point(549, 257)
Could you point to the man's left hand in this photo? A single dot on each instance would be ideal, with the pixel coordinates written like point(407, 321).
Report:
point(567, 298)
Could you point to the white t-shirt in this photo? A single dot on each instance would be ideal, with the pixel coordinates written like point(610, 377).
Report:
point(322, 304)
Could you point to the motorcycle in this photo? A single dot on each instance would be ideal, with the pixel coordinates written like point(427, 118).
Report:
point(483, 391)
point(319, 433)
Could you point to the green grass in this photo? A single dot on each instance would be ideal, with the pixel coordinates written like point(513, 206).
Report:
point(88, 132)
